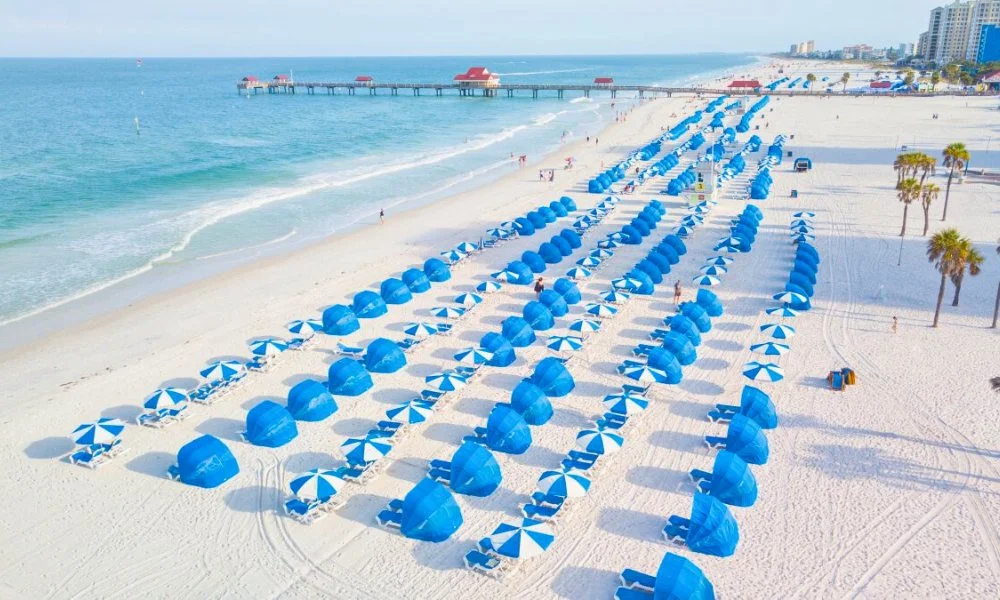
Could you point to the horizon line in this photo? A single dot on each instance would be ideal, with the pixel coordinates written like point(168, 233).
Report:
point(234, 56)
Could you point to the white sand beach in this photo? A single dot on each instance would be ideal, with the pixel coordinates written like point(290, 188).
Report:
point(889, 489)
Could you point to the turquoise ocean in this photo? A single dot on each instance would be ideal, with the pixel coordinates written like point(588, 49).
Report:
point(119, 170)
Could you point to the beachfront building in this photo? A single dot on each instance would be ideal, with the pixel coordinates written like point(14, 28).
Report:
point(802, 48)
point(478, 78)
point(954, 32)
point(858, 52)
point(992, 81)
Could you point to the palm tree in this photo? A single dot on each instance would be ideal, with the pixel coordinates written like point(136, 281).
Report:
point(909, 191)
point(926, 165)
point(969, 259)
point(901, 166)
point(942, 250)
point(909, 77)
point(996, 306)
point(956, 156)
point(844, 79)
point(811, 79)
point(928, 194)
point(935, 79)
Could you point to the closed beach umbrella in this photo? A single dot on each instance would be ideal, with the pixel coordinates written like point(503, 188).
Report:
point(599, 442)
point(222, 370)
point(488, 287)
point(529, 538)
point(789, 297)
point(777, 331)
point(468, 300)
point(770, 349)
point(782, 311)
point(578, 273)
point(447, 312)
point(103, 431)
point(473, 356)
point(564, 343)
point(165, 398)
point(361, 451)
point(317, 484)
point(268, 347)
point(601, 310)
point(304, 328)
point(706, 280)
point(420, 329)
point(758, 371)
point(410, 413)
point(563, 484)
point(645, 374)
point(585, 326)
point(446, 382)
point(714, 270)
point(625, 404)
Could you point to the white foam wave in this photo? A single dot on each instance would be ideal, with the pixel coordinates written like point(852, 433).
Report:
point(276, 240)
point(580, 99)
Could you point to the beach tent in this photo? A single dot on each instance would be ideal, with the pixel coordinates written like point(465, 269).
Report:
point(503, 352)
point(680, 346)
point(369, 305)
point(507, 431)
point(436, 271)
point(531, 403)
point(572, 238)
point(384, 356)
point(430, 513)
point(745, 439)
point(270, 425)
point(474, 471)
point(651, 270)
point(646, 287)
point(340, 320)
point(698, 315)
point(310, 400)
point(550, 253)
point(680, 579)
point(686, 327)
point(536, 219)
point(757, 406)
point(522, 273)
point(538, 316)
point(206, 462)
point(553, 378)
point(568, 202)
point(547, 213)
point(394, 291)
point(416, 280)
point(732, 481)
point(554, 301)
point(562, 245)
point(710, 302)
point(534, 261)
point(664, 360)
point(568, 290)
point(558, 208)
point(802, 281)
point(660, 261)
point(524, 226)
point(668, 252)
point(347, 377)
point(676, 243)
point(641, 226)
point(632, 236)
point(518, 332)
point(713, 528)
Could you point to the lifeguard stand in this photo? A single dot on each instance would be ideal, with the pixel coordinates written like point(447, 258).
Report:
point(704, 186)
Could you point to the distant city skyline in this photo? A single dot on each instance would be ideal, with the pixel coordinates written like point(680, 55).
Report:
point(192, 28)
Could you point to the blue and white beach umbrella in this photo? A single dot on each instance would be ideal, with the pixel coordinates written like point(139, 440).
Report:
point(497, 232)
point(104, 431)
point(268, 347)
point(758, 371)
point(597, 212)
point(719, 260)
point(467, 248)
point(317, 484)
point(530, 538)
point(447, 312)
point(446, 382)
point(453, 256)
point(616, 236)
point(804, 215)
point(777, 331)
point(714, 270)
point(583, 223)
point(684, 231)
point(165, 398)
point(728, 248)
point(589, 261)
point(803, 237)
point(706, 280)
point(578, 273)
point(601, 310)
point(473, 356)
point(798, 222)
point(700, 208)
point(222, 370)
point(789, 297)
point(645, 374)
point(615, 296)
point(625, 404)
point(602, 253)
point(304, 328)
point(599, 442)
point(488, 287)
point(468, 300)
point(626, 283)
point(420, 330)
point(571, 484)
point(607, 244)
point(411, 413)
point(782, 311)
point(508, 226)
point(361, 451)
point(564, 343)
point(585, 326)
point(731, 241)
point(504, 276)
point(771, 348)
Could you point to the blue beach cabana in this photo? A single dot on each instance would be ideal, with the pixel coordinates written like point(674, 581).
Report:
point(698, 316)
point(474, 471)
point(553, 378)
point(384, 356)
point(502, 350)
point(534, 261)
point(732, 482)
point(368, 305)
point(416, 280)
point(568, 290)
point(270, 425)
point(680, 346)
point(680, 579)
point(340, 320)
point(205, 462)
point(507, 431)
point(538, 316)
point(746, 439)
point(518, 332)
point(436, 271)
point(713, 528)
point(347, 377)
point(394, 291)
point(686, 327)
point(554, 301)
point(310, 400)
point(430, 513)
point(531, 403)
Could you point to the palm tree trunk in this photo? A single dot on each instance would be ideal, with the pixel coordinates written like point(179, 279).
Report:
point(906, 208)
point(927, 218)
point(958, 288)
point(996, 308)
point(947, 193)
point(940, 299)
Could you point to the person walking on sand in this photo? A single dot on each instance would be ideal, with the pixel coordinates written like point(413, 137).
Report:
point(895, 324)
point(381, 216)
point(539, 287)
point(677, 292)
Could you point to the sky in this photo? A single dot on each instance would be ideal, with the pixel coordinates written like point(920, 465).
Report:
point(191, 28)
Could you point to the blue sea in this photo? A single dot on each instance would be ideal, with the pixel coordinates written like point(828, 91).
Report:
point(113, 169)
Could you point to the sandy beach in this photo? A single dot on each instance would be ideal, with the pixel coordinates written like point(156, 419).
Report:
point(890, 489)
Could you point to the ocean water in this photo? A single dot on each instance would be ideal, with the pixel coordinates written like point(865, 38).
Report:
point(111, 169)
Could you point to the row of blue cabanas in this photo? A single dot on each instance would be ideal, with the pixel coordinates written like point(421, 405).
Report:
point(542, 216)
point(802, 276)
point(774, 84)
point(794, 82)
point(744, 125)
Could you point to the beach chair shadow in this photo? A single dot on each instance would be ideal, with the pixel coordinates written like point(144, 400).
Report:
point(222, 428)
point(353, 427)
point(656, 478)
point(700, 387)
point(404, 471)
point(447, 433)
point(474, 406)
point(631, 524)
point(584, 582)
point(724, 345)
point(674, 440)
point(362, 508)
point(124, 412)
point(153, 464)
point(689, 410)
point(49, 448)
